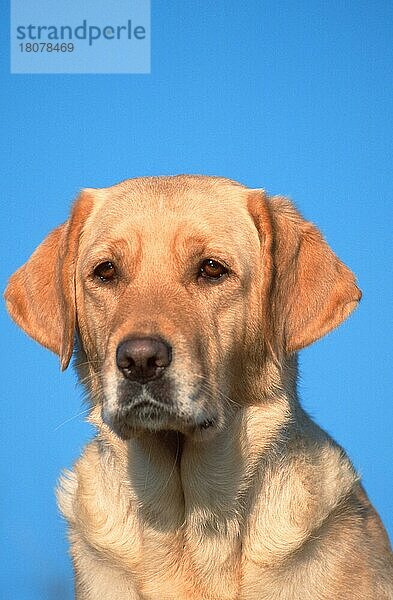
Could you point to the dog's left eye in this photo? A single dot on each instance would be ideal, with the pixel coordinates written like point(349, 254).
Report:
point(105, 271)
point(212, 270)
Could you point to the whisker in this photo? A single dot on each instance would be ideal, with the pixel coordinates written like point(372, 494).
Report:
point(210, 395)
point(174, 464)
point(87, 363)
point(83, 412)
point(205, 385)
point(148, 467)
point(87, 379)
point(90, 377)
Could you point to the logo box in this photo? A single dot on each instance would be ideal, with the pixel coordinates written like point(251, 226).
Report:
point(74, 37)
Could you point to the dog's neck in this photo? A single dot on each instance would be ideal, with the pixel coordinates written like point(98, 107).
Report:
point(177, 479)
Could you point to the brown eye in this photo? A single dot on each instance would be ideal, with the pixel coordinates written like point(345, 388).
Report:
point(105, 271)
point(211, 269)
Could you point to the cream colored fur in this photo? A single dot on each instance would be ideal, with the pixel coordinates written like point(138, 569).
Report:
point(264, 505)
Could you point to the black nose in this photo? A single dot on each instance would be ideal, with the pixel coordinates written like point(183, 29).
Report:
point(143, 358)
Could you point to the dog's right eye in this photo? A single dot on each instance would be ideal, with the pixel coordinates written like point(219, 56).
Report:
point(212, 270)
point(105, 271)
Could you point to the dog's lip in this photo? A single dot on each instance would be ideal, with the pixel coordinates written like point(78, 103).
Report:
point(145, 403)
point(155, 409)
point(139, 406)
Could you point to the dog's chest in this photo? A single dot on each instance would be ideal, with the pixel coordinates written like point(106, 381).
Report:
point(153, 549)
point(160, 536)
point(185, 567)
point(177, 566)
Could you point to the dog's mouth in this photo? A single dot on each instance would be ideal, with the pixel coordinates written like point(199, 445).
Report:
point(145, 410)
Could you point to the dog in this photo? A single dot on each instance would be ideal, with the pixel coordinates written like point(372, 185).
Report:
point(186, 300)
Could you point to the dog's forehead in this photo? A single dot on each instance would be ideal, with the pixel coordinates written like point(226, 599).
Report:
point(178, 206)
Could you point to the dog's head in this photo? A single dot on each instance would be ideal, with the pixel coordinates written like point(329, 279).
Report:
point(179, 289)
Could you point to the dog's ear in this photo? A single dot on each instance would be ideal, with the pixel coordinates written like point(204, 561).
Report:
point(308, 290)
point(40, 295)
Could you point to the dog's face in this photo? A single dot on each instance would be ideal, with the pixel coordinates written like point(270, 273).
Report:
point(179, 289)
point(163, 280)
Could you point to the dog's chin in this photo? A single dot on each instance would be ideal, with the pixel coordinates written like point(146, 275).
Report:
point(149, 417)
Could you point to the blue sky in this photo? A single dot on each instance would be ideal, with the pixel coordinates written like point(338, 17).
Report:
point(292, 96)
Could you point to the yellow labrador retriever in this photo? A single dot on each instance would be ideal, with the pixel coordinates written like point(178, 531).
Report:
point(188, 298)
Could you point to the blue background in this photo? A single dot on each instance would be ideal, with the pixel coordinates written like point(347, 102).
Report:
point(292, 96)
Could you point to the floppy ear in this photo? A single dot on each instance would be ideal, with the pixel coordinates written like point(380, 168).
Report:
point(308, 289)
point(40, 295)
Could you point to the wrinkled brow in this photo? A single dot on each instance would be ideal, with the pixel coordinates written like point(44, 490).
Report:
point(199, 245)
point(116, 249)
